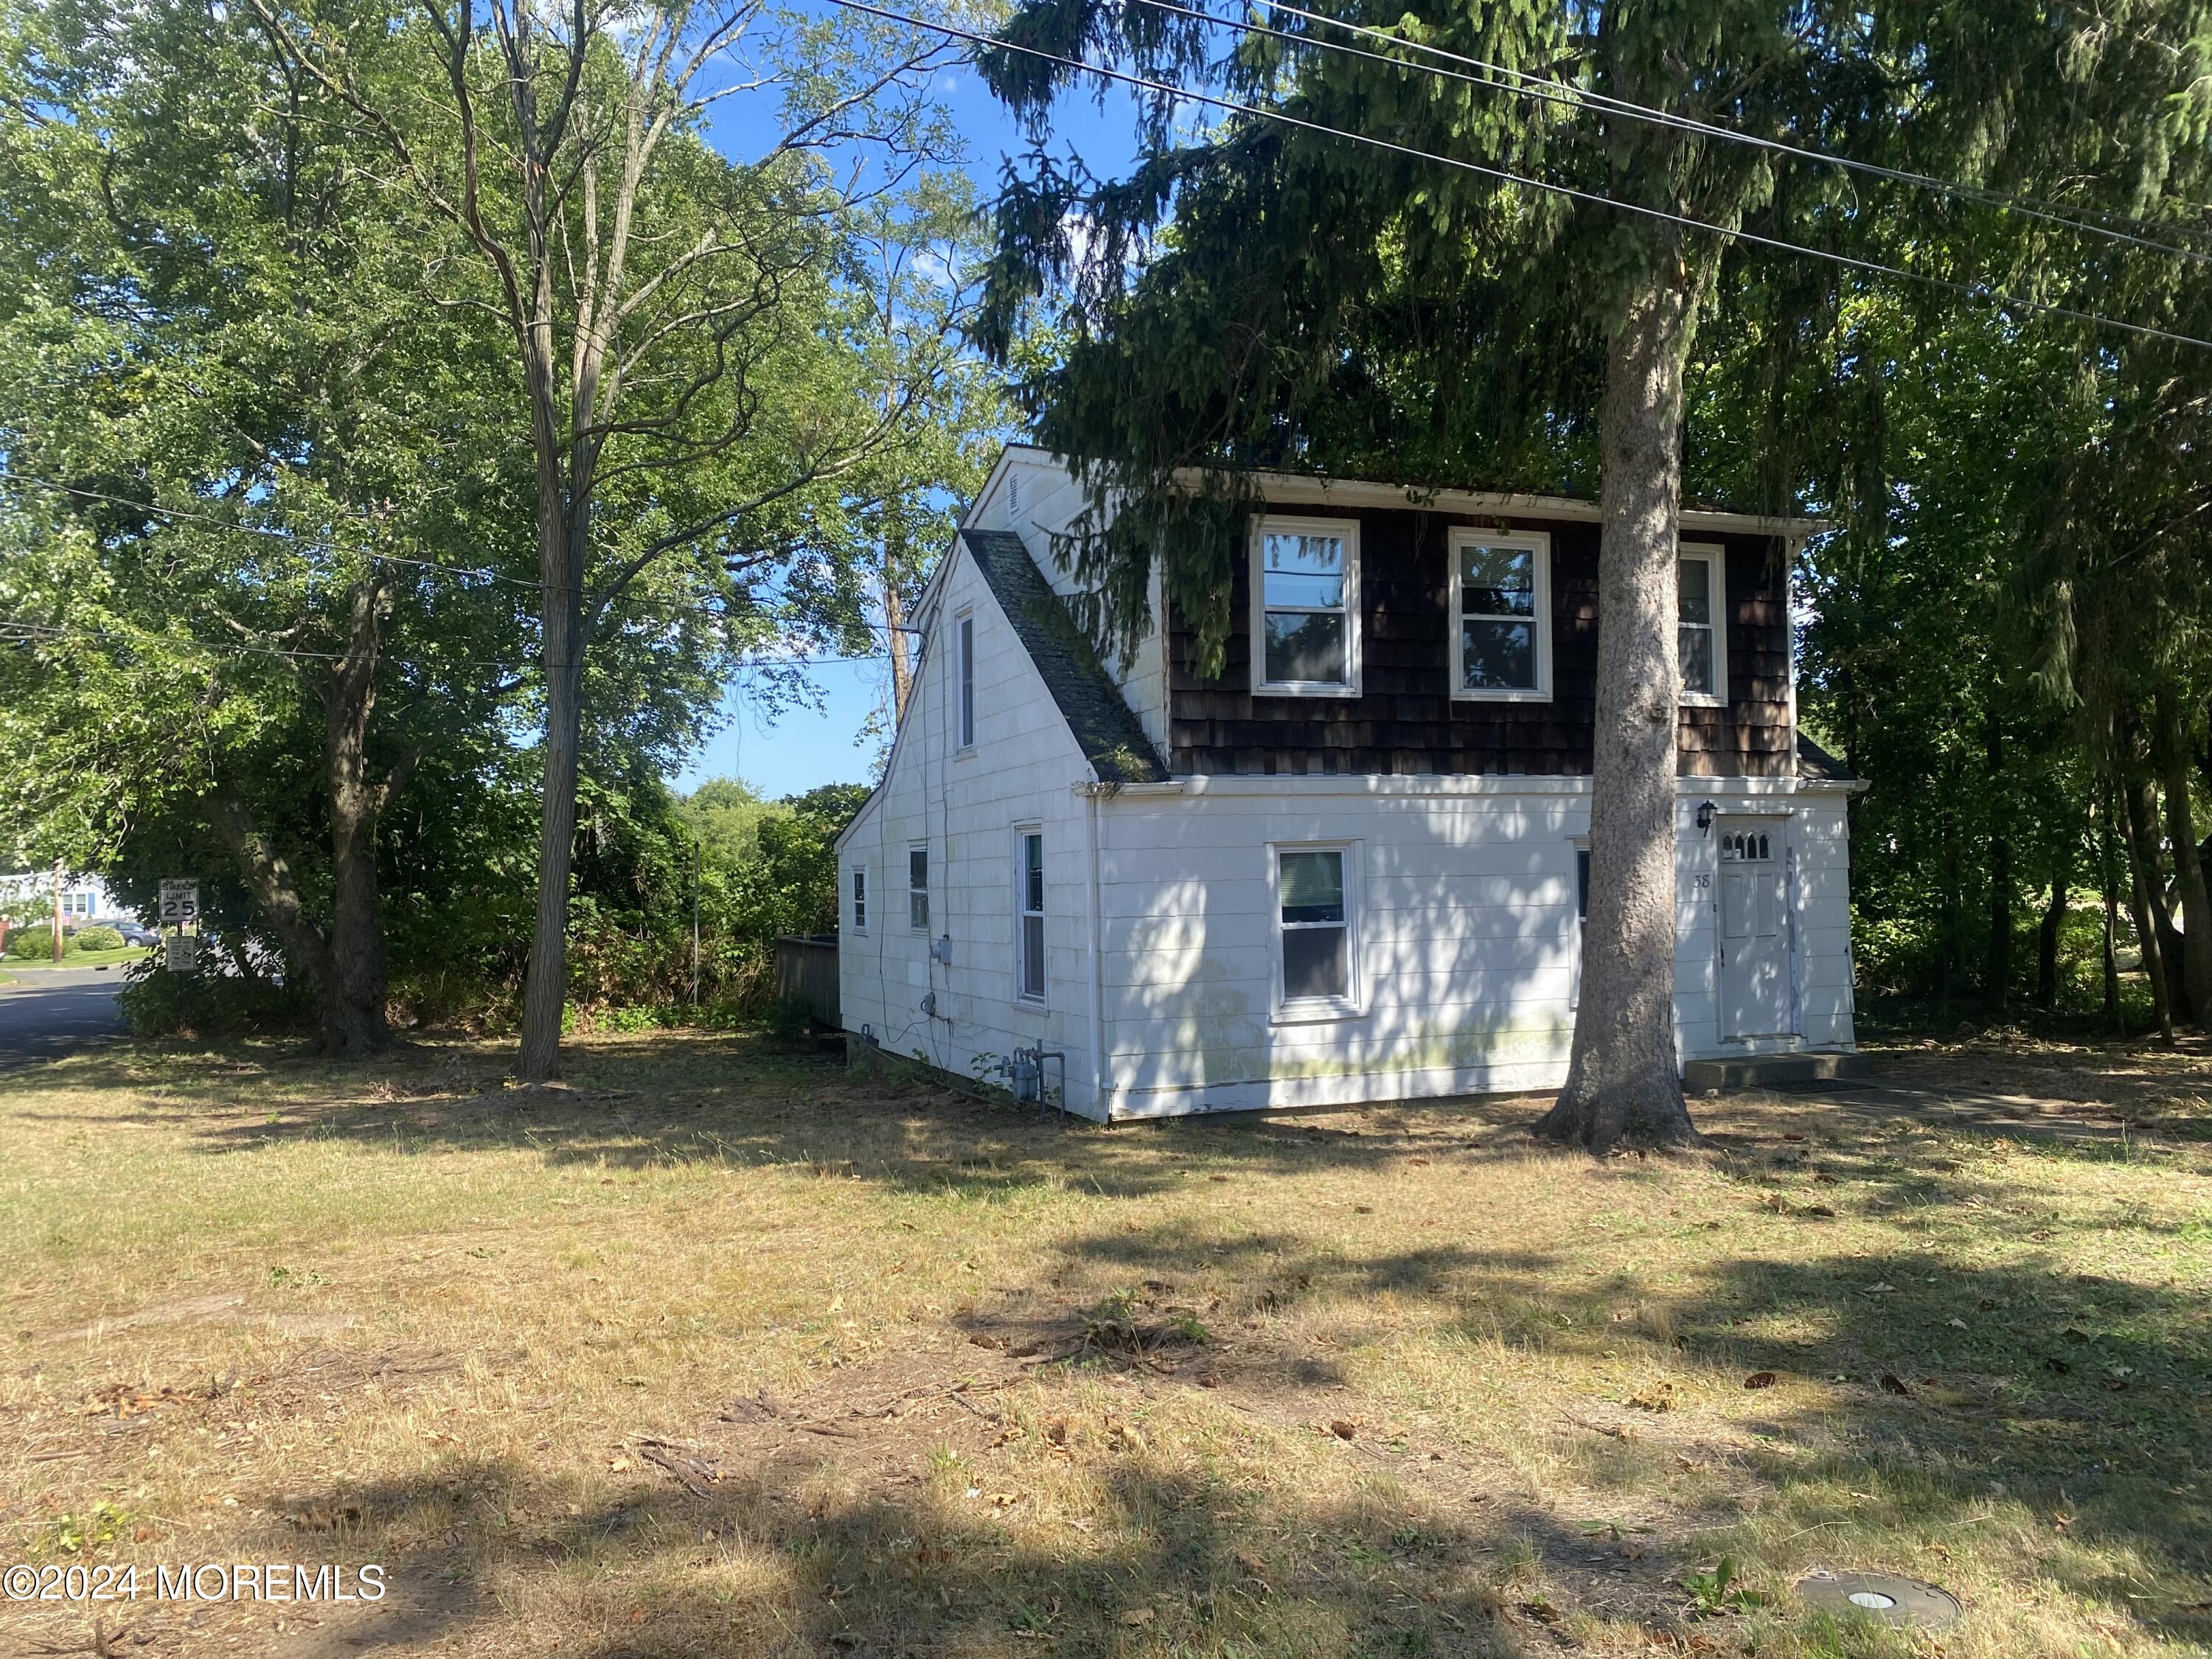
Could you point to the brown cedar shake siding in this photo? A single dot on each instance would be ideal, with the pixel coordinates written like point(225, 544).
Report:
point(1406, 723)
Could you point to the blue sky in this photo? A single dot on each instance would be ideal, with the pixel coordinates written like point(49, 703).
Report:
point(802, 748)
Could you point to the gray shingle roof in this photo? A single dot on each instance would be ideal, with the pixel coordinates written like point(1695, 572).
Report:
point(1103, 724)
point(1815, 762)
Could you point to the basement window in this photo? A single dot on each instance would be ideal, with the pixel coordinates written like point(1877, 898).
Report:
point(1502, 631)
point(1305, 607)
point(1702, 635)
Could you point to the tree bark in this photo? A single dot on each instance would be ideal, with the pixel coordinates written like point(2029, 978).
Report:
point(2142, 872)
point(895, 635)
point(2172, 751)
point(1622, 1081)
point(2046, 944)
point(2114, 1017)
point(1996, 972)
point(353, 1015)
point(343, 960)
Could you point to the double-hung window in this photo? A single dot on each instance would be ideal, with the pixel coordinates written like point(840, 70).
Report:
point(917, 888)
point(1028, 905)
point(1501, 616)
point(1702, 635)
point(966, 625)
point(860, 898)
point(1316, 964)
point(1305, 607)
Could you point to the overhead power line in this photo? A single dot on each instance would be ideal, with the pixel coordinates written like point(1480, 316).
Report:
point(1978, 293)
point(1550, 89)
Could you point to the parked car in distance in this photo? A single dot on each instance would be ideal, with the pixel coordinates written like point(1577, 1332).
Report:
point(136, 933)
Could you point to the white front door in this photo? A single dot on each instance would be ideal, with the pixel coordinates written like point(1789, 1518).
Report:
point(1754, 929)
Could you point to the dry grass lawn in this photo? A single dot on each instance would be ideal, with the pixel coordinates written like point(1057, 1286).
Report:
point(729, 1353)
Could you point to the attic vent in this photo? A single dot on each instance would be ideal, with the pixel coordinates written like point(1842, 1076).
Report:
point(1013, 492)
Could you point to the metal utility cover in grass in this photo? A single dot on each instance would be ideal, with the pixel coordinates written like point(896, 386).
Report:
point(1882, 1595)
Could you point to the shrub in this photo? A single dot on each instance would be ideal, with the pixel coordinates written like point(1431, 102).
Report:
point(157, 1003)
point(31, 943)
point(97, 937)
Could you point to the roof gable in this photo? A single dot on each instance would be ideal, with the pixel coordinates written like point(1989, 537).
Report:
point(1101, 722)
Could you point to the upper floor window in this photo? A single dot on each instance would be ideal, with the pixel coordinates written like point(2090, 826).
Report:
point(917, 888)
point(860, 898)
point(1305, 607)
point(1702, 636)
point(1502, 626)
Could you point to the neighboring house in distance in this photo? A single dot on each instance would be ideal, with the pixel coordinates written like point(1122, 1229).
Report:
point(1352, 866)
point(85, 899)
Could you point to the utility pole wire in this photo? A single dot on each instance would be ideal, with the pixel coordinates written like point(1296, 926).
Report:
point(1551, 91)
point(1978, 293)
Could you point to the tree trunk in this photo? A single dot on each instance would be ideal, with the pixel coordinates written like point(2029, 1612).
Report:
point(1622, 1081)
point(2172, 751)
point(545, 988)
point(350, 1007)
point(1997, 971)
point(2046, 943)
point(57, 910)
point(2141, 891)
point(2114, 1018)
point(895, 634)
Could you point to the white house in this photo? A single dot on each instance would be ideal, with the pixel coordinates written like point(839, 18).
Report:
point(1351, 867)
point(85, 899)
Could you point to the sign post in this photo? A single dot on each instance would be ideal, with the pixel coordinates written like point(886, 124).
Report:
point(180, 909)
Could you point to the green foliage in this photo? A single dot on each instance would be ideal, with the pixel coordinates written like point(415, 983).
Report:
point(155, 1003)
point(1719, 1589)
point(32, 943)
point(95, 938)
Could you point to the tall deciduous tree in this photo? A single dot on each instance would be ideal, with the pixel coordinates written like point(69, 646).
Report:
point(239, 446)
point(1259, 293)
point(689, 374)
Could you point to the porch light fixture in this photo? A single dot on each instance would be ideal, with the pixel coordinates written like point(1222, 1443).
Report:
point(1705, 817)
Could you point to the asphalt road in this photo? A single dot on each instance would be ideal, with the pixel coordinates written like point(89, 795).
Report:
point(51, 1012)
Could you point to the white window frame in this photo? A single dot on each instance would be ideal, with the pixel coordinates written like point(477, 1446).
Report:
point(914, 892)
point(1347, 531)
point(1714, 557)
point(964, 688)
point(1538, 542)
point(1315, 1010)
point(1023, 996)
point(856, 896)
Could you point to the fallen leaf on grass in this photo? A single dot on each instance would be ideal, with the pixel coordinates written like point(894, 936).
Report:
point(1139, 1616)
point(1760, 1380)
point(1344, 1430)
point(1821, 1210)
point(1251, 1563)
point(1892, 1383)
point(2058, 1365)
point(1658, 1398)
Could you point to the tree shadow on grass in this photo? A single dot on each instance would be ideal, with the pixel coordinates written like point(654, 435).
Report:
point(1131, 1555)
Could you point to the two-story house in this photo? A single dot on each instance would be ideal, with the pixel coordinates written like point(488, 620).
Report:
point(1351, 867)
